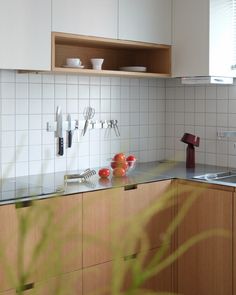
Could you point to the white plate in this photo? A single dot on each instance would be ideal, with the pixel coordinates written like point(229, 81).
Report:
point(133, 69)
point(74, 67)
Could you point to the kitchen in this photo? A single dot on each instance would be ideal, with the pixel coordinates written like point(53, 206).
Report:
point(153, 110)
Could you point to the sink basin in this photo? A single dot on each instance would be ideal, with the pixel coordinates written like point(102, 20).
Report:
point(226, 177)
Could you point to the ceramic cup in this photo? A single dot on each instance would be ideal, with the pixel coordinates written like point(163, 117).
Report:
point(97, 63)
point(73, 62)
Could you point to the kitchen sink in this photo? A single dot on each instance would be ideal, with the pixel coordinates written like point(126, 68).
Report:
point(226, 177)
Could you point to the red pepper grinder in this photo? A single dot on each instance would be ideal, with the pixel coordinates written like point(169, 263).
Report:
point(192, 141)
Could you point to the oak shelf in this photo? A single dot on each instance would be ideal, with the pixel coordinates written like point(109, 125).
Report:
point(116, 54)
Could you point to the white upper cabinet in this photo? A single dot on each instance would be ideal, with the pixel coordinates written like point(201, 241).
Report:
point(25, 33)
point(202, 38)
point(145, 20)
point(86, 17)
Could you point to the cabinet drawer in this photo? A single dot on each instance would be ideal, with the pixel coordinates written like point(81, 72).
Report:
point(41, 239)
point(146, 220)
point(159, 282)
point(102, 215)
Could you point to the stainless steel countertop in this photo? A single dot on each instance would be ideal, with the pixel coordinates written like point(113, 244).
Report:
point(48, 185)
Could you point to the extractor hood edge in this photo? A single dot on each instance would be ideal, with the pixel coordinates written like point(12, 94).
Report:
point(201, 80)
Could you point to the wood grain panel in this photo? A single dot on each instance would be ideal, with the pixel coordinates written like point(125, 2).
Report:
point(234, 244)
point(159, 282)
point(97, 280)
point(206, 268)
point(59, 227)
point(16, 246)
point(8, 248)
point(146, 222)
point(67, 284)
point(101, 224)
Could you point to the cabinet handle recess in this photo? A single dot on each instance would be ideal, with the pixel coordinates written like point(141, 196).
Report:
point(130, 187)
point(23, 204)
point(129, 257)
point(25, 288)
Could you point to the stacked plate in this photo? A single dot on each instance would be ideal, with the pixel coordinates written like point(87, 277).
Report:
point(133, 69)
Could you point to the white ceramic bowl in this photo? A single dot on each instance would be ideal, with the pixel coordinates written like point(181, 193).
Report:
point(73, 62)
point(97, 63)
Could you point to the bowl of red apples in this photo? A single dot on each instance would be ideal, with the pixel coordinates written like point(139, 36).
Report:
point(121, 164)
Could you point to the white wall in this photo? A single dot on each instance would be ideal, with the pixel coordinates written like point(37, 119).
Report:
point(28, 101)
point(201, 110)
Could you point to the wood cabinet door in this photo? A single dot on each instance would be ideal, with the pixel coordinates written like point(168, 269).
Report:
point(234, 245)
point(102, 216)
point(25, 30)
point(117, 275)
point(148, 212)
point(59, 235)
point(67, 284)
point(40, 239)
point(17, 240)
point(159, 282)
point(85, 17)
point(97, 280)
point(145, 21)
point(13, 292)
point(8, 248)
point(206, 268)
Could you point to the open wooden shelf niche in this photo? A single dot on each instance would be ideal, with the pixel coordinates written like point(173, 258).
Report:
point(116, 54)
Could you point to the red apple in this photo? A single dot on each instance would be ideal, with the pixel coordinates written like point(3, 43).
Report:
point(104, 172)
point(119, 172)
point(119, 157)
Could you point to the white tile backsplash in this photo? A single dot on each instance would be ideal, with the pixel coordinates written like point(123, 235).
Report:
point(201, 110)
point(153, 114)
point(29, 101)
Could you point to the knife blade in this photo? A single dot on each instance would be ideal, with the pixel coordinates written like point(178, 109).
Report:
point(60, 131)
point(69, 132)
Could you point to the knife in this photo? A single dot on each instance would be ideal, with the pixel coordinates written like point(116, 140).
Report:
point(60, 131)
point(69, 132)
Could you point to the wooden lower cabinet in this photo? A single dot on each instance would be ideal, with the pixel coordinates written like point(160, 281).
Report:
point(234, 245)
point(13, 292)
point(8, 240)
point(40, 239)
point(17, 240)
point(60, 230)
point(159, 282)
point(97, 280)
point(101, 225)
point(206, 268)
point(148, 211)
point(122, 221)
point(67, 284)
point(78, 243)
point(117, 276)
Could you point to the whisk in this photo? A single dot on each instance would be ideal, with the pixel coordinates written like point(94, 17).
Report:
point(86, 174)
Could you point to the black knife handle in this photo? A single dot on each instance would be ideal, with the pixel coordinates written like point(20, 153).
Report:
point(69, 139)
point(61, 146)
